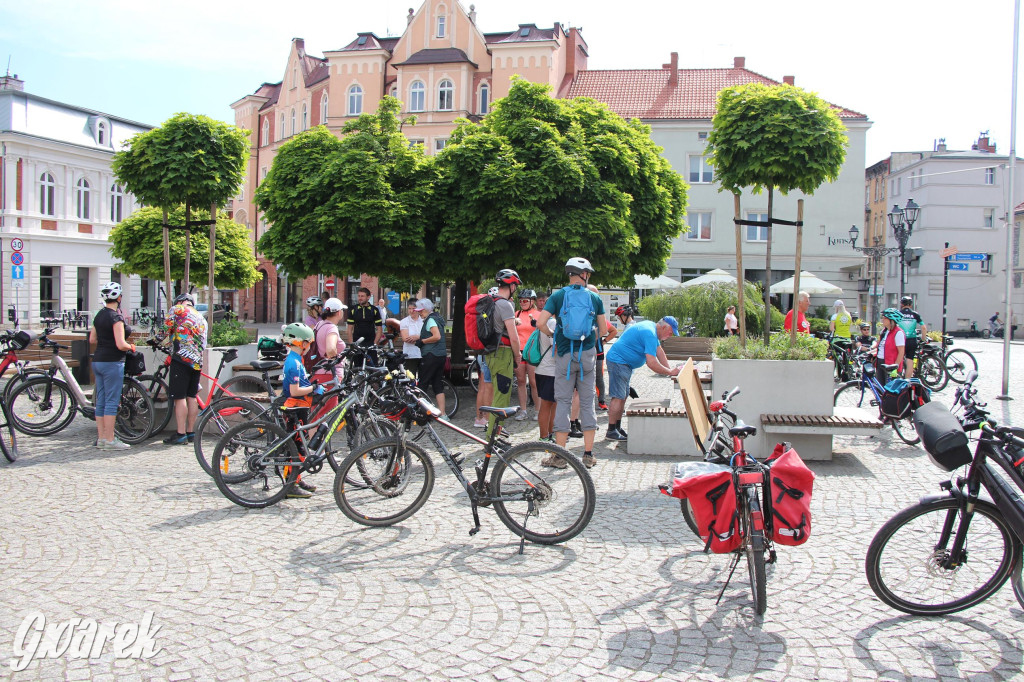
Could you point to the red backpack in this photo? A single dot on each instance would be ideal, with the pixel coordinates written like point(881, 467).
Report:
point(480, 333)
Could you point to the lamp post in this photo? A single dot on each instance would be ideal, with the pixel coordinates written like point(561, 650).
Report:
point(902, 222)
point(874, 253)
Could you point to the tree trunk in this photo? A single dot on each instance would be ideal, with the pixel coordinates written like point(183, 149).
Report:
point(796, 270)
point(167, 264)
point(213, 256)
point(768, 274)
point(188, 247)
point(458, 349)
point(740, 307)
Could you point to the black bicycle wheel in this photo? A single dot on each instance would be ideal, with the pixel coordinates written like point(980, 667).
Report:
point(135, 417)
point(691, 522)
point(163, 406)
point(398, 482)
point(218, 418)
point(851, 394)
point(18, 379)
point(8, 438)
point(451, 398)
point(904, 428)
point(754, 547)
point(245, 470)
point(245, 386)
point(960, 363)
point(473, 373)
point(905, 559)
point(41, 406)
point(563, 499)
point(932, 373)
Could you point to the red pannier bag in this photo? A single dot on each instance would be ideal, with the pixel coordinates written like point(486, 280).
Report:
point(712, 496)
point(790, 484)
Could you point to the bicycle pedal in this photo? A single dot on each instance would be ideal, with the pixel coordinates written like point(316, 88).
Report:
point(874, 403)
point(474, 531)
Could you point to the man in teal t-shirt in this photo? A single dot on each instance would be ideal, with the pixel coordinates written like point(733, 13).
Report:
point(913, 327)
point(639, 345)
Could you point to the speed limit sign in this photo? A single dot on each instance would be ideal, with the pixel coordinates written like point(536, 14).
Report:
point(17, 244)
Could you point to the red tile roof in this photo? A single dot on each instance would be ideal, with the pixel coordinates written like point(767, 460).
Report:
point(647, 93)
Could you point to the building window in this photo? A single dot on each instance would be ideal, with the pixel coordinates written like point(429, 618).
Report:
point(47, 188)
point(293, 121)
point(82, 196)
point(701, 170)
point(990, 176)
point(988, 218)
point(485, 98)
point(394, 91)
point(116, 203)
point(700, 225)
point(101, 133)
point(414, 142)
point(986, 265)
point(1016, 246)
point(280, 132)
point(417, 96)
point(323, 109)
point(441, 26)
point(757, 233)
point(305, 117)
point(295, 78)
point(355, 100)
point(445, 95)
point(440, 143)
point(266, 132)
point(49, 290)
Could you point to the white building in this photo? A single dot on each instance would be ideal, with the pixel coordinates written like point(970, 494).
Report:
point(59, 197)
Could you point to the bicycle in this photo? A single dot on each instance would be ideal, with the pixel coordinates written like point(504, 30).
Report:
point(959, 362)
point(10, 343)
point(867, 391)
point(381, 356)
point(840, 352)
point(396, 476)
point(954, 549)
point(930, 366)
point(45, 405)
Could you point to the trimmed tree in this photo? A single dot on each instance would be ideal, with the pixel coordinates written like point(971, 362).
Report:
point(775, 137)
point(190, 160)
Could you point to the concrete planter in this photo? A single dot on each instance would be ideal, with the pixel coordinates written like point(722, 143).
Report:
point(800, 387)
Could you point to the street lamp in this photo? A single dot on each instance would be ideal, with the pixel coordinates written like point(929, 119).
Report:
point(874, 253)
point(902, 222)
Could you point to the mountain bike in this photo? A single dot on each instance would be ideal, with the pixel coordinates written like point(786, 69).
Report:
point(930, 365)
point(359, 356)
point(867, 391)
point(395, 477)
point(44, 405)
point(954, 549)
point(10, 343)
point(840, 352)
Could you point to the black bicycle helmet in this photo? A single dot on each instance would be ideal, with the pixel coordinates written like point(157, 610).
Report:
point(907, 300)
point(182, 298)
point(507, 276)
point(624, 310)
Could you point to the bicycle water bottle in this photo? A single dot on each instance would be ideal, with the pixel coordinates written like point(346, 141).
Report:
point(319, 436)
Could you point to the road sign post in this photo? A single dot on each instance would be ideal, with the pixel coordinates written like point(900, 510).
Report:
point(945, 253)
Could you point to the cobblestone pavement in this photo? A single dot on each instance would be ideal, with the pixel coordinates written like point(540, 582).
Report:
point(298, 592)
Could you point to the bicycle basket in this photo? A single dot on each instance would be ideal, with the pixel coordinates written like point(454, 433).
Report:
point(942, 436)
point(20, 340)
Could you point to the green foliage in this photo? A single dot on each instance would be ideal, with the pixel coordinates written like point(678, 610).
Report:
point(228, 333)
point(189, 159)
point(775, 136)
point(705, 305)
point(817, 324)
point(400, 285)
point(137, 244)
point(821, 311)
point(778, 319)
point(364, 203)
point(806, 348)
point(542, 179)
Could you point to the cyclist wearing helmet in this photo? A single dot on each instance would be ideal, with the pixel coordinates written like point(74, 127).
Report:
point(297, 388)
point(582, 311)
point(187, 331)
point(314, 308)
point(892, 343)
point(109, 332)
point(914, 328)
point(502, 362)
point(865, 340)
point(364, 320)
point(526, 322)
point(625, 315)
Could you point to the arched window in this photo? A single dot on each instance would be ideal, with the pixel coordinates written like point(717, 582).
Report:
point(323, 109)
point(266, 132)
point(82, 196)
point(293, 121)
point(417, 96)
point(280, 131)
point(101, 134)
point(445, 95)
point(305, 117)
point(394, 91)
point(355, 100)
point(485, 98)
point(442, 24)
point(47, 188)
point(116, 203)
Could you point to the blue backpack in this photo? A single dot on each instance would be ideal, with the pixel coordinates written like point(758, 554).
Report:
point(577, 319)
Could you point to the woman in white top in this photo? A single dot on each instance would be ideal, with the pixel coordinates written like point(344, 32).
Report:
point(411, 326)
point(731, 323)
point(545, 387)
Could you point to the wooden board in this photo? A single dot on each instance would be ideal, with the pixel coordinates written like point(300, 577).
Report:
point(695, 403)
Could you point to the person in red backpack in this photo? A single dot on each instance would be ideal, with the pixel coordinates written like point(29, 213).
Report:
point(502, 362)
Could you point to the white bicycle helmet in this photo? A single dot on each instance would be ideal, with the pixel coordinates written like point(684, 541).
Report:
point(577, 266)
point(111, 291)
point(313, 301)
point(493, 291)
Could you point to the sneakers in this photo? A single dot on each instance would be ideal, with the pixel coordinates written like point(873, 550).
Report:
point(112, 445)
point(535, 415)
point(297, 493)
point(575, 429)
point(522, 415)
point(555, 461)
point(589, 461)
point(480, 423)
point(191, 437)
point(176, 439)
point(309, 487)
point(602, 406)
point(547, 439)
point(615, 434)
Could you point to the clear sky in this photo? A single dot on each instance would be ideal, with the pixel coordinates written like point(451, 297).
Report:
point(919, 69)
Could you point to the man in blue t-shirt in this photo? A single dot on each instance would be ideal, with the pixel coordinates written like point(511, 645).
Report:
point(575, 361)
point(639, 345)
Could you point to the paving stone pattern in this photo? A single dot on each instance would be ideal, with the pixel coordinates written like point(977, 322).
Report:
point(299, 592)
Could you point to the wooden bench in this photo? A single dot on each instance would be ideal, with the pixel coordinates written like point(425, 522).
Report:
point(843, 422)
point(683, 347)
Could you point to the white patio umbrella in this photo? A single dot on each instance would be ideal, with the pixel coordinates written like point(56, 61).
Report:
point(662, 282)
point(711, 277)
point(809, 282)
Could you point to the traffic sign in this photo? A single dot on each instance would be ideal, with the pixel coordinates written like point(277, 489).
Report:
point(951, 251)
point(957, 266)
point(19, 284)
point(17, 244)
point(329, 284)
point(971, 256)
point(17, 272)
point(17, 258)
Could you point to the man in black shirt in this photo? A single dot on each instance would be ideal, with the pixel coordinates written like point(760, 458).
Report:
point(364, 321)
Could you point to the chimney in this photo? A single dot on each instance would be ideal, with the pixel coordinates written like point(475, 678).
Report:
point(941, 147)
point(673, 68)
point(472, 13)
point(10, 82)
point(789, 80)
point(408, 20)
point(739, 62)
point(983, 144)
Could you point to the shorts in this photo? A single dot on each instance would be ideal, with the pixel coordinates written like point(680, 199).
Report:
point(546, 388)
point(910, 349)
point(485, 371)
point(109, 382)
point(618, 380)
point(183, 381)
point(431, 373)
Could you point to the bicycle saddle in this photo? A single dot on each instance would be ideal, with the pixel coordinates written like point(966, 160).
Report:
point(742, 430)
point(889, 368)
point(264, 364)
point(501, 412)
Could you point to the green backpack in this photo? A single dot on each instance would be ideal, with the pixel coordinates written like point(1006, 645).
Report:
point(532, 354)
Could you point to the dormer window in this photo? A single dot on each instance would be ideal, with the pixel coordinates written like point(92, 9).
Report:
point(442, 25)
point(100, 130)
